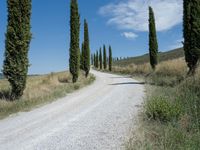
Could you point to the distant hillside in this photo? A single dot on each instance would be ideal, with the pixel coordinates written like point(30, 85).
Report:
point(163, 56)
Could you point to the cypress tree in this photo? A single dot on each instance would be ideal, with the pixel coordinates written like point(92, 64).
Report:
point(191, 33)
point(86, 49)
point(195, 32)
point(110, 58)
point(104, 57)
point(100, 59)
point(94, 57)
point(17, 44)
point(82, 57)
point(97, 59)
point(153, 44)
point(74, 61)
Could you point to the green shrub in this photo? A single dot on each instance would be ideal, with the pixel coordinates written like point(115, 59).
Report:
point(159, 108)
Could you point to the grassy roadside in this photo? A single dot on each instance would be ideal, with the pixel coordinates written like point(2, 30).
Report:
point(170, 118)
point(40, 90)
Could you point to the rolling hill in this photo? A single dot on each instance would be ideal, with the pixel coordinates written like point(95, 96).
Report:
point(163, 56)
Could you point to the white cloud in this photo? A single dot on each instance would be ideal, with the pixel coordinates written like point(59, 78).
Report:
point(133, 14)
point(129, 35)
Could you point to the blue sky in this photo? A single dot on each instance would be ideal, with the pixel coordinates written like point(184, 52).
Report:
point(121, 23)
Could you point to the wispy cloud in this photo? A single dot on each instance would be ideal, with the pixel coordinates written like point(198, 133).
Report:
point(133, 14)
point(129, 35)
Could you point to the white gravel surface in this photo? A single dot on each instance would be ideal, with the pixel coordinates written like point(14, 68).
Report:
point(97, 117)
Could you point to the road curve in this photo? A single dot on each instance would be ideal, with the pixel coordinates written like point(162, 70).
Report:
point(97, 117)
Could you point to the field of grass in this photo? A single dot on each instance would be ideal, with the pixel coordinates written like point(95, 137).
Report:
point(39, 91)
point(170, 118)
point(163, 56)
point(168, 73)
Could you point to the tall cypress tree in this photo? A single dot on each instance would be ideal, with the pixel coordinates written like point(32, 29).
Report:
point(94, 57)
point(153, 44)
point(86, 49)
point(17, 44)
point(110, 58)
point(97, 59)
point(74, 61)
point(100, 59)
point(191, 33)
point(82, 57)
point(104, 57)
point(187, 34)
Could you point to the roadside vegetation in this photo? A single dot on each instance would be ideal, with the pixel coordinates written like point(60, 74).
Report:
point(167, 73)
point(40, 90)
point(170, 119)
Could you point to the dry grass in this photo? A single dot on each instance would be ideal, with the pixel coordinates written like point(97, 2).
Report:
point(133, 69)
point(181, 132)
point(176, 67)
point(40, 90)
point(168, 73)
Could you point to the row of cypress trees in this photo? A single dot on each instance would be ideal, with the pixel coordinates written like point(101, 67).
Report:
point(101, 61)
point(17, 43)
point(191, 34)
point(78, 60)
point(18, 37)
point(153, 48)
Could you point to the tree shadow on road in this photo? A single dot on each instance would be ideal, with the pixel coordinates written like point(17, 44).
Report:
point(120, 77)
point(129, 83)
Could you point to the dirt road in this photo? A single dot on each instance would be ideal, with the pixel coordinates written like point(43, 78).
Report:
point(96, 117)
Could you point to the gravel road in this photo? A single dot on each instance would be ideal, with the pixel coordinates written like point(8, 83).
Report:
point(97, 117)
